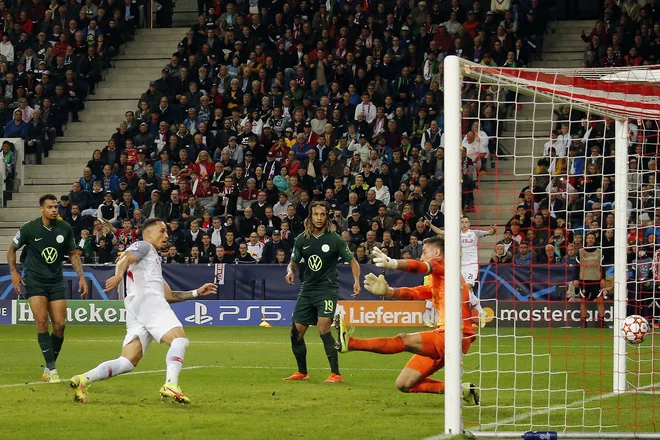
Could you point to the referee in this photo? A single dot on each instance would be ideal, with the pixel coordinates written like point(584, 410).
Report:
point(46, 239)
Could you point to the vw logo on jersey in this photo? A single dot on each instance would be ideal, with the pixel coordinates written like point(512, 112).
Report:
point(49, 255)
point(325, 248)
point(59, 239)
point(315, 263)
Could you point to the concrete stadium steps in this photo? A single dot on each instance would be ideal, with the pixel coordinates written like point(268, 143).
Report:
point(185, 14)
point(46, 182)
point(28, 197)
point(562, 45)
point(102, 108)
point(37, 190)
point(140, 63)
point(74, 146)
point(54, 171)
point(5, 240)
point(19, 214)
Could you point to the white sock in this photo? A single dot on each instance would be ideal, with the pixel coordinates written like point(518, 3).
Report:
point(174, 359)
point(109, 369)
point(474, 302)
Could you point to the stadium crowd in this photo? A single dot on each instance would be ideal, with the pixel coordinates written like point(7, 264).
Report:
point(263, 109)
point(52, 56)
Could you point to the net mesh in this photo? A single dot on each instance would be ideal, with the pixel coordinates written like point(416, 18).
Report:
point(540, 165)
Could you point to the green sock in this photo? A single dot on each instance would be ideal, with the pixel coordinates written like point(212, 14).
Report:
point(331, 351)
point(300, 352)
point(46, 345)
point(57, 344)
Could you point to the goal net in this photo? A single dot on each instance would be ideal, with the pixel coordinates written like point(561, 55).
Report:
point(563, 162)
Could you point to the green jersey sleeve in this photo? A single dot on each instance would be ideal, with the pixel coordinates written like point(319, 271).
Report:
point(296, 256)
point(22, 235)
point(344, 251)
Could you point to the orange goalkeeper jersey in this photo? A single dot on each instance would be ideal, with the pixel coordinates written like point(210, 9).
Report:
point(435, 291)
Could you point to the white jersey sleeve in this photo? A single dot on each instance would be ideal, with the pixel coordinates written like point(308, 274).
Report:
point(140, 249)
point(479, 233)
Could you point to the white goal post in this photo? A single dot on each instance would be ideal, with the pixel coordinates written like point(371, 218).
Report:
point(620, 94)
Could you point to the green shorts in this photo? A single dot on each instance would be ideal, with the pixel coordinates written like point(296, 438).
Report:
point(311, 305)
point(53, 291)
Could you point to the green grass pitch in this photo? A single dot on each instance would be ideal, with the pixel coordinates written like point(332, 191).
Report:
point(234, 378)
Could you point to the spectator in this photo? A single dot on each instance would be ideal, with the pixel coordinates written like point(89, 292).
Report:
point(17, 128)
point(154, 207)
point(548, 256)
point(195, 256)
point(501, 255)
point(361, 255)
point(524, 255)
point(243, 256)
point(589, 278)
point(414, 247)
point(207, 249)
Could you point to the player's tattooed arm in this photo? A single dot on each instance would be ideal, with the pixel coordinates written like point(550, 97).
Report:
point(172, 296)
point(11, 257)
point(178, 295)
point(76, 263)
point(77, 266)
point(16, 278)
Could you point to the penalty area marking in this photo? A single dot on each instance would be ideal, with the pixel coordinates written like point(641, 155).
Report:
point(577, 403)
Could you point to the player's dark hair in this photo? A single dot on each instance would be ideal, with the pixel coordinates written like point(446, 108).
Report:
point(437, 241)
point(151, 222)
point(45, 197)
point(309, 225)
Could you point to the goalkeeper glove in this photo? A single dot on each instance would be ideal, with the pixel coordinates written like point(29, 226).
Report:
point(377, 285)
point(381, 260)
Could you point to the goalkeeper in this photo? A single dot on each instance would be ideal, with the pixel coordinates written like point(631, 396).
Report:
point(429, 346)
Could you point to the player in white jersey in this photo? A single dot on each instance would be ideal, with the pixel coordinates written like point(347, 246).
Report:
point(148, 314)
point(470, 260)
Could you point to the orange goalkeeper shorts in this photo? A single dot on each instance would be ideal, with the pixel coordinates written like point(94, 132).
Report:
point(433, 353)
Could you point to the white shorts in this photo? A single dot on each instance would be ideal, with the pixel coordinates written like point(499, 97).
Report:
point(470, 273)
point(149, 320)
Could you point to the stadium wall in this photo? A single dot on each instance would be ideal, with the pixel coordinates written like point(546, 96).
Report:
point(266, 281)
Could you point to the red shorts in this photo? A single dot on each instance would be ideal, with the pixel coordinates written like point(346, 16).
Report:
point(433, 347)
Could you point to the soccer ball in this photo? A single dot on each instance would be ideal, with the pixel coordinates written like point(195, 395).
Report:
point(634, 329)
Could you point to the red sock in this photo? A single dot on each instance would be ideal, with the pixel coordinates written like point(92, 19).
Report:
point(378, 345)
point(428, 385)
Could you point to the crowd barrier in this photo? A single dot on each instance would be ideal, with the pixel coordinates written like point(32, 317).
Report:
point(266, 281)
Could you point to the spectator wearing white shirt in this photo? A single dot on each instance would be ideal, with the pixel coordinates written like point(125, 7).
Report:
point(6, 49)
point(476, 150)
point(564, 140)
point(362, 148)
point(382, 192)
point(280, 208)
point(255, 247)
point(26, 111)
point(366, 108)
point(552, 143)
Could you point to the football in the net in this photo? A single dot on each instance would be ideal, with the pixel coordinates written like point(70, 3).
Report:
point(634, 329)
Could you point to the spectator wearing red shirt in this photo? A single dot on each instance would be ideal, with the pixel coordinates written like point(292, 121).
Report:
point(633, 58)
point(126, 235)
point(471, 25)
